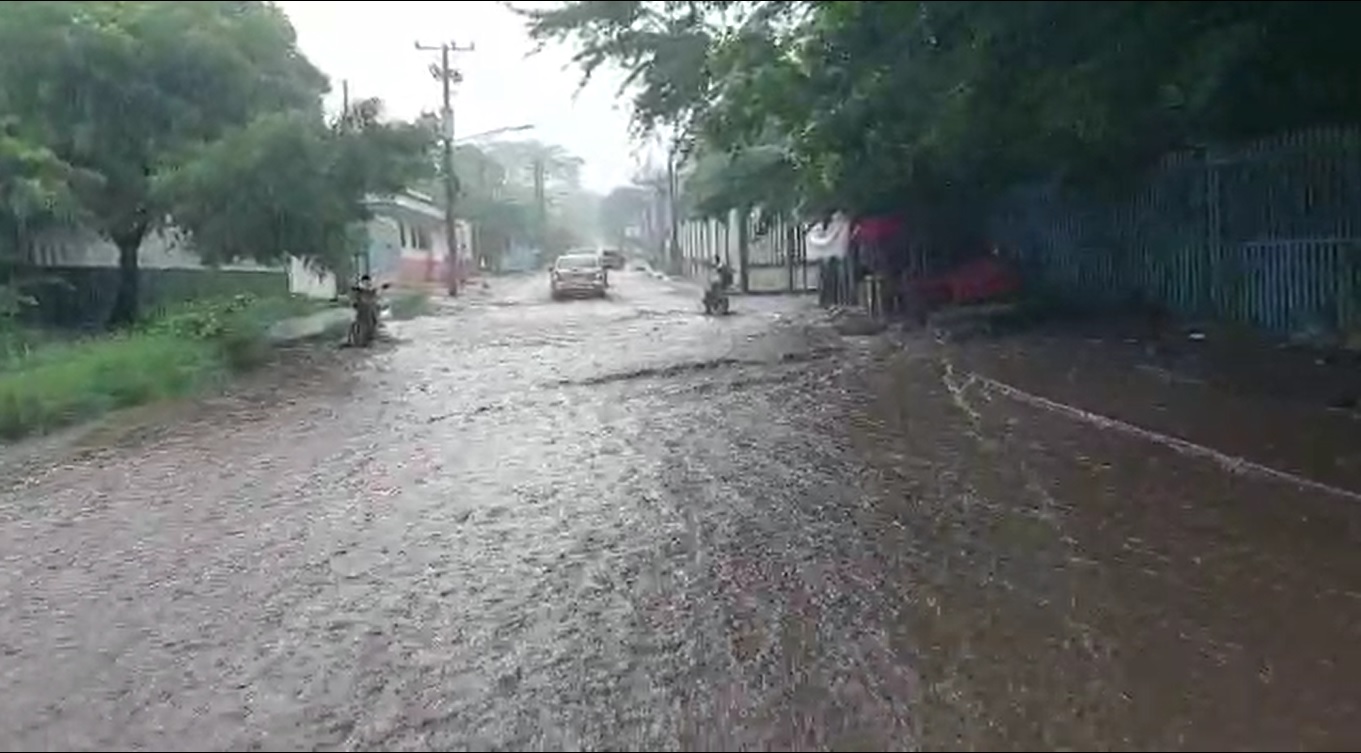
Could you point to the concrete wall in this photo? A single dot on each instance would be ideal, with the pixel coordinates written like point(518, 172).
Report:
point(407, 244)
point(161, 249)
point(307, 281)
point(768, 260)
point(166, 250)
point(776, 279)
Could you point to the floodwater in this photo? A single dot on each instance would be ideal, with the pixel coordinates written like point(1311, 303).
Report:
point(621, 525)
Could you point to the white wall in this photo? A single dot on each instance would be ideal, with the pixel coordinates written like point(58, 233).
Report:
point(438, 246)
point(306, 281)
point(165, 250)
point(161, 249)
point(399, 234)
point(776, 279)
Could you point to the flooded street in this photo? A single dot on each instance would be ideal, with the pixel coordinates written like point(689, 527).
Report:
point(621, 525)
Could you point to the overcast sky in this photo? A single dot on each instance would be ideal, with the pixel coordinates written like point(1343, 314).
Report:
point(372, 45)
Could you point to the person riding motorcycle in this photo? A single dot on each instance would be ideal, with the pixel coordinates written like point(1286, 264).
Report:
point(715, 297)
point(364, 300)
point(722, 274)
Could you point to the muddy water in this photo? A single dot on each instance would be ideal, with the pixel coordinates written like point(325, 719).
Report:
point(620, 525)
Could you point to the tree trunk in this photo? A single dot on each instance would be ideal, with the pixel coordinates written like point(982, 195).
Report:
point(126, 302)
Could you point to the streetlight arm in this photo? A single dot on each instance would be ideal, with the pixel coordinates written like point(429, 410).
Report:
point(493, 132)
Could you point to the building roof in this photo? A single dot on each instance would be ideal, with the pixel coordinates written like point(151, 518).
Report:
point(410, 201)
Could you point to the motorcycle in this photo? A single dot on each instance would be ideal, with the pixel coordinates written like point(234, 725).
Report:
point(716, 300)
point(364, 328)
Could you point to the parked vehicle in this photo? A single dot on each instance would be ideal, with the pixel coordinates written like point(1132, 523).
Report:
point(578, 275)
point(613, 259)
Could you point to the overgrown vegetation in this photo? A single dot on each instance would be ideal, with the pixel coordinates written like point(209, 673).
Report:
point(50, 383)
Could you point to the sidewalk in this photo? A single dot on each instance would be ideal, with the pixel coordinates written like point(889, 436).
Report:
point(1078, 588)
point(1271, 406)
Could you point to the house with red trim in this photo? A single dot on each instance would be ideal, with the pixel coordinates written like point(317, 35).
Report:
point(407, 244)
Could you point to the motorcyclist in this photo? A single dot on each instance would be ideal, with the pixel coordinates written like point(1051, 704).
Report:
point(364, 298)
point(715, 296)
point(722, 275)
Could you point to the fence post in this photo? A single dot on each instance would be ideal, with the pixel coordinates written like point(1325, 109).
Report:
point(1214, 240)
point(743, 249)
point(1348, 290)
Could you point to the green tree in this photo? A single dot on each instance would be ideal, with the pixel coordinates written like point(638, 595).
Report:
point(128, 90)
point(874, 105)
point(289, 184)
point(498, 207)
point(562, 169)
point(37, 190)
point(36, 193)
point(622, 215)
point(498, 180)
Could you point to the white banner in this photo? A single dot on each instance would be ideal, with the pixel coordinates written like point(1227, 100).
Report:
point(828, 241)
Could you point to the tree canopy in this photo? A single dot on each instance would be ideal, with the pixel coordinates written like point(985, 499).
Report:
point(290, 184)
point(871, 105)
point(496, 193)
point(178, 109)
point(621, 213)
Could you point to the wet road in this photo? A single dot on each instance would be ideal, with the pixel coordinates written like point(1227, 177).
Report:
point(619, 525)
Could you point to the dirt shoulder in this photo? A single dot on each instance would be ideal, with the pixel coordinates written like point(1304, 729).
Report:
point(1283, 408)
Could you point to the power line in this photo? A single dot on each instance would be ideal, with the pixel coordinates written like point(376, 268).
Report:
point(448, 76)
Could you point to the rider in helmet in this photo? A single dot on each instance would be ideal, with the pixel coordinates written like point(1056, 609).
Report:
point(364, 297)
point(723, 273)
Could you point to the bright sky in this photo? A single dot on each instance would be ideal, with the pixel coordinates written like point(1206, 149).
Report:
point(371, 44)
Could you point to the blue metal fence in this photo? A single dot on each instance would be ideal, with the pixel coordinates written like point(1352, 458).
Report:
point(1265, 234)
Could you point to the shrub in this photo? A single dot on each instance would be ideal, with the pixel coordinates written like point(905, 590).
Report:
point(44, 386)
point(234, 326)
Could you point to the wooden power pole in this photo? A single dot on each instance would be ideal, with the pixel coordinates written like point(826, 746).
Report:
point(541, 209)
point(448, 76)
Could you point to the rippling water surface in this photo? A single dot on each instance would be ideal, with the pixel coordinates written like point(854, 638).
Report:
point(620, 525)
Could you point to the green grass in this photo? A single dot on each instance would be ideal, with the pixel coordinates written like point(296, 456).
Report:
point(69, 383)
point(46, 384)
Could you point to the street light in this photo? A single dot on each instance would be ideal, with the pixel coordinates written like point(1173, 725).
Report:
point(493, 132)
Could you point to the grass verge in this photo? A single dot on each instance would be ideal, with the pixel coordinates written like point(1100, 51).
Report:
point(178, 351)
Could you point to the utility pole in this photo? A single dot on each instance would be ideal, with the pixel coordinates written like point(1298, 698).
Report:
point(447, 77)
point(541, 208)
point(673, 211)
